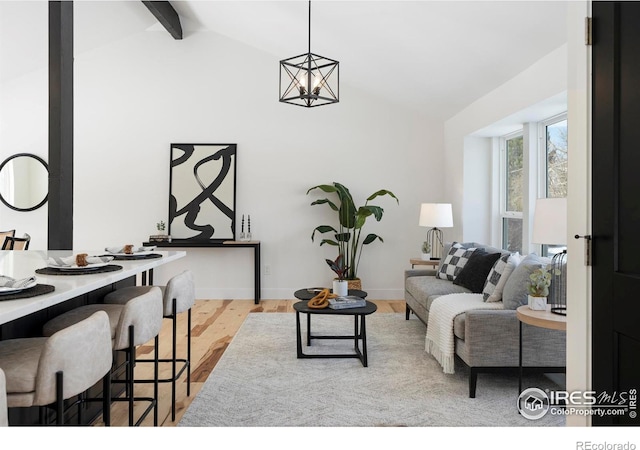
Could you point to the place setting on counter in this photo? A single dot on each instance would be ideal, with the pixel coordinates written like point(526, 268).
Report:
point(14, 289)
point(78, 264)
point(131, 252)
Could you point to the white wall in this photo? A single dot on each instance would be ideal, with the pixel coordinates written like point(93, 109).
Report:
point(477, 167)
point(579, 207)
point(24, 110)
point(136, 96)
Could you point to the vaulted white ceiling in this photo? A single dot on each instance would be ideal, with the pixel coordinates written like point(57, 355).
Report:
point(434, 56)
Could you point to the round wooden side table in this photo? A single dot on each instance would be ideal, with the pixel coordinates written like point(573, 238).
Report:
point(541, 319)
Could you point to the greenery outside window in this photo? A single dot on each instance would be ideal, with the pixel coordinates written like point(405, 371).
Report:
point(512, 192)
point(554, 180)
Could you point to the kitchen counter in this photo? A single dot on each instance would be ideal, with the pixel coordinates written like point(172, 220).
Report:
point(23, 264)
point(25, 317)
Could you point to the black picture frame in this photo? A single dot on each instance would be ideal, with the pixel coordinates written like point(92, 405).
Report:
point(202, 193)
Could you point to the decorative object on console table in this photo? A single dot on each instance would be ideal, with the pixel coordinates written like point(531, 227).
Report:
point(550, 228)
point(202, 201)
point(351, 220)
point(161, 236)
point(435, 215)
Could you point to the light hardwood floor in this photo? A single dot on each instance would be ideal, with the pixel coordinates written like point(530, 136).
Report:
point(214, 323)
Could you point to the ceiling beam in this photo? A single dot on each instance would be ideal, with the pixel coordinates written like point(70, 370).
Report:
point(167, 16)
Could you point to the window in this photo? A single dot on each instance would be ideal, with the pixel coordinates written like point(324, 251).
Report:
point(512, 194)
point(547, 164)
point(556, 159)
point(555, 165)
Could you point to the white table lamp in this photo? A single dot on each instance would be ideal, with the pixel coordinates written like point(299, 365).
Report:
point(550, 228)
point(550, 221)
point(436, 216)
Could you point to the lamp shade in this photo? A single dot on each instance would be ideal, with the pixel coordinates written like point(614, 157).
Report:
point(550, 221)
point(436, 215)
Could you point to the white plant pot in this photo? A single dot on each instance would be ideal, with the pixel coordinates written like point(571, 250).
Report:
point(341, 287)
point(537, 303)
point(426, 256)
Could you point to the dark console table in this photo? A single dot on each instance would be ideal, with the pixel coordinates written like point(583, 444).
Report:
point(255, 245)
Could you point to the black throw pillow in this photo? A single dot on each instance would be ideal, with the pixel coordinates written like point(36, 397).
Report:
point(475, 271)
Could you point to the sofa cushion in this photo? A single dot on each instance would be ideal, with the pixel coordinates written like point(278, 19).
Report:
point(516, 288)
point(498, 276)
point(474, 273)
point(425, 289)
point(454, 262)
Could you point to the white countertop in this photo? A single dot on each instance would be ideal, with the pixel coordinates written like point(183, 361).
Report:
point(23, 264)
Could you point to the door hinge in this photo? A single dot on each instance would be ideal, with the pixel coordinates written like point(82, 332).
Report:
point(588, 249)
point(588, 31)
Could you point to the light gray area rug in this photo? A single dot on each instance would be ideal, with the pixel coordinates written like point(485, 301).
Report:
point(259, 382)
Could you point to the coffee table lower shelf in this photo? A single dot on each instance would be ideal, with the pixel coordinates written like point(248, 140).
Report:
point(359, 330)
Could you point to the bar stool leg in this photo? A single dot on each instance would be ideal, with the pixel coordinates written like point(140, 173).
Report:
point(130, 356)
point(189, 352)
point(173, 362)
point(106, 399)
point(81, 398)
point(59, 399)
point(155, 383)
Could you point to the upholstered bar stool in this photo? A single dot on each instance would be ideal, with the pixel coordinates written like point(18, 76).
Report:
point(178, 296)
point(4, 414)
point(132, 324)
point(46, 371)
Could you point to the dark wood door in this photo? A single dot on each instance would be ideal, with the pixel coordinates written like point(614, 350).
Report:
point(616, 203)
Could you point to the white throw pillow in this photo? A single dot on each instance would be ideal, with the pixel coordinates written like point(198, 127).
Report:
point(497, 278)
point(454, 262)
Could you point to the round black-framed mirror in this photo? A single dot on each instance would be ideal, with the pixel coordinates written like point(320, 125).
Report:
point(24, 182)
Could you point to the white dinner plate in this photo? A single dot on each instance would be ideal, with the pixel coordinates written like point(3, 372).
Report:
point(10, 290)
point(75, 267)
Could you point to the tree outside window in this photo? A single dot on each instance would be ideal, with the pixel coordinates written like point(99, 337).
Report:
point(512, 217)
point(557, 163)
point(557, 166)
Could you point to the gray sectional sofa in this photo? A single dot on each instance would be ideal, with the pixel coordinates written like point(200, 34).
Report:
point(488, 340)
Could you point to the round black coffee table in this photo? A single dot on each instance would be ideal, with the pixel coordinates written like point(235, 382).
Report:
point(309, 293)
point(359, 333)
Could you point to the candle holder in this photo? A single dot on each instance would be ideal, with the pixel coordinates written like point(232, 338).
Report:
point(248, 235)
point(242, 235)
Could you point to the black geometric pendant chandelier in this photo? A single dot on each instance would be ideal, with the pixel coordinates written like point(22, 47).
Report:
point(309, 80)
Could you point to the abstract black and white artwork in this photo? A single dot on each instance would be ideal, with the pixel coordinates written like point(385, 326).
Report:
point(202, 198)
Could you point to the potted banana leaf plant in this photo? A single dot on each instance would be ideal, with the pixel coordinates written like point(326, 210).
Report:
point(348, 235)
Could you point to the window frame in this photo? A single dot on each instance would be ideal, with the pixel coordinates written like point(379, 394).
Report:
point(543, 169)
point(503, 212)
point(543, 180)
